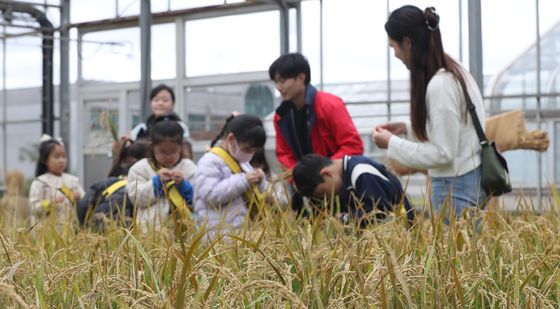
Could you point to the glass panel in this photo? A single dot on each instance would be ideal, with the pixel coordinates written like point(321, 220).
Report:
point(53, 15)
point(112, 55)
point(73, 55)
point(514, 103)
point(56, 60)
point(232, 44)
point(159, 6)
point(197, 122)
point(132, 7)
point(310, 38)
point(24, 104)
point(523, 164)
point(88, 10)
point(515, 64)
point(293, 30)
point(101, 117)
point(346, 58)
point(207, 107)
point(163, 51)
point(23, 62)
point(182, 4)
point(23, 140)
point(550, 36)
point(133, 99)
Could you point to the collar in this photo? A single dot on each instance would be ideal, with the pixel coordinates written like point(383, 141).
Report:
point(286, 106)
point(346, 180)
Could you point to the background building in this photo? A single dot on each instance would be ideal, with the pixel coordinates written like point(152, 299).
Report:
point(215, 54)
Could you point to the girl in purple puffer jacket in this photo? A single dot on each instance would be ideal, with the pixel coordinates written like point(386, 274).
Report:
point(225, 183)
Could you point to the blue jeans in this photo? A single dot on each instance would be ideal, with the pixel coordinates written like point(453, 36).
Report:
point(459, 192)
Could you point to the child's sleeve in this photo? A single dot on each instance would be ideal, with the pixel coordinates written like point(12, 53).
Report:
point(78, 187)
point(140, 188)
point(378, 193)
point(371, 193)
point(213, 188)
point(186, 190)
point(37, 199)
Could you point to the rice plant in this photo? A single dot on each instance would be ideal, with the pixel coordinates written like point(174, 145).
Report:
point(490, 259)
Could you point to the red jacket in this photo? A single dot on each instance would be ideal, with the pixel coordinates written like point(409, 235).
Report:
point(333, 134)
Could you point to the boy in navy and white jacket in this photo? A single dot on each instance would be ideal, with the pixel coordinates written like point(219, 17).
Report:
point(366, 188)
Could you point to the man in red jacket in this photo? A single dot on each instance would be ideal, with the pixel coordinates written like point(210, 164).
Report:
point(309, 120)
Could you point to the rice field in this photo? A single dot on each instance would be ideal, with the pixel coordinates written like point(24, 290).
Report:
point(490, 259)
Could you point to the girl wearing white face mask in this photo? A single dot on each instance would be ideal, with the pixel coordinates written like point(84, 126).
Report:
point(225, 183)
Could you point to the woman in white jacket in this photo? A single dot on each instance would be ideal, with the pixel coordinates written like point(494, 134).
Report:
point(441, 136)
point(152, 181)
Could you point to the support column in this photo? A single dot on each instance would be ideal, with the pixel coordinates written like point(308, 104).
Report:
point(145, 58)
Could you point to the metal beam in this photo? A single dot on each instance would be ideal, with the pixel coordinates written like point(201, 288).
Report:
point(180, 68)
point(187, 14)
point(321, 52)
point(475, 43)
point(4, 109)
point(64, 89)
point(47, 99)
point(284, 27)
point(145, 58)
point(298, 28)
point(538, 117)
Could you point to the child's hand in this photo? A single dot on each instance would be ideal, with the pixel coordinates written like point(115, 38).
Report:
point(165, 174)
point(177, 176)
point(261, 174)
point(77, 195)
point(58, 198)
point(255, 176)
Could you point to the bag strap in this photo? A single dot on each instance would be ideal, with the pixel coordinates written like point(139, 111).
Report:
point(472, 110)
point(253, 194)
point(114, 187)
point(228, 159)
point(174, 198)
point(68, 193)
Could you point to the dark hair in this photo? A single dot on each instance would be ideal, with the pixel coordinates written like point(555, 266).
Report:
point(259, 160)
point(161, 87)
point(307, 173)
point(128, 149)
point(246, 129)
point(290, 66)
point(45, 149)
point(426, 58)
point(164, 129)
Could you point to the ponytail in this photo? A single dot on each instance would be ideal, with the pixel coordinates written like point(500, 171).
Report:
point(222, 132)
point(246, 129)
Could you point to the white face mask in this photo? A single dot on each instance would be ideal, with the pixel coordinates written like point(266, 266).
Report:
point(239, 155)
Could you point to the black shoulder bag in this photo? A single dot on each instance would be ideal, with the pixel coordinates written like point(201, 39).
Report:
point(494, 169)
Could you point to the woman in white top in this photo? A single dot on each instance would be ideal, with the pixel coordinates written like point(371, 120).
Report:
point(441, 136)
point(162, 103)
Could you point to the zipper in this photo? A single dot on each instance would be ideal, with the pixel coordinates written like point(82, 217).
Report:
point(295, 133)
